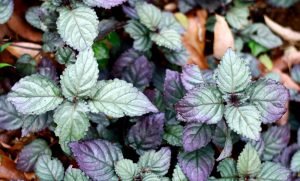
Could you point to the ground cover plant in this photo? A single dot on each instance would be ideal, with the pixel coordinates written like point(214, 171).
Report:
point(148, 90)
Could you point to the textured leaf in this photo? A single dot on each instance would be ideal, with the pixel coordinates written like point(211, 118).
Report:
point(173, 88)
point(147, 133)
point(233, 74)
point(221, 133)
point(126, 169)
point(248, 161)
point(201, 104)
point(117, 98)
point(273, 171)
point(169, 21)
point(177, 57)
point(178, 175)
point(35, 16)
point(227, 169)
point(30, 154)
point(48, 169)
point(173, 135)
point(285, 157)
point(73, 174)
point(244, 120)
point(195, 136)
point(6, 10)
point(47, 69)
point(258, 145)
point(295, 162)
point(197, 165)
point(149, 15)
point(77, 80)
point(35, 94)
point(96, 158)
point(107, 4)
point(65, 55)
point(270, 98)
point(10, 119)
point(226, 152)
point(72, 123)
point(35, 123)
point(275, 139)
point(237, 17)
point(51, 42)
point(156, 162)
point(26, 65)
point(78, 27)
point(191, 76)
point(151, 177)
point(167, 38)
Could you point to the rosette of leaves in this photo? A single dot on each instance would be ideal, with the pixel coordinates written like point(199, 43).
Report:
point(244, 104)
point(79, 94)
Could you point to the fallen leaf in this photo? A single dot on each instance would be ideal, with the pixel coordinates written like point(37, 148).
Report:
point(8, 169)
point(5, 31)
point(286, 80)
point(223, 37)
point(284, 32)
point(194, 38)
point(291, 56)
point(19, 48)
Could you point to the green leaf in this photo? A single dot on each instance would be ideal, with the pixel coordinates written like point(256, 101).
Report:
point(167, 38)
point(117, 98)
point(4, 46)
point(273, 171)
point(6, 10)
point(149, 15)
point(126, 169)
point(233, 74)
point(65, 55)
point(10, 119)
point(244, 120)
point(72, 123)
point(156, 162)
point(295, 162)
point(48, 169)
point(35, 94)
point(35, 123)
point(248, 162)
point(78, 27)
point(26, 65)
point(237, 17)
point(78, 79)
point(173, 135)
point(266, 61)
point(151, 177)
point(227, 169)
point(74, 174)
point(256, 48)
point(178, 175)
point(101, 52)
point(114, 39)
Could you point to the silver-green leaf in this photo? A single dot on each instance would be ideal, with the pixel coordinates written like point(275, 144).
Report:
point(248, 161)
point(149, 15)
point(6, 10)
point(74, 174)
point(167, 38)
point(48, 169)
point(126, 169)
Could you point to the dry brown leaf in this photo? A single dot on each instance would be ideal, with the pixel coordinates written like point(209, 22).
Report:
point(5, 31)
point(284, 32)
point(291, 56)
point(194, 38)
point(223, 37)
point(8, 169)
point(19, 48)
point(286, 80)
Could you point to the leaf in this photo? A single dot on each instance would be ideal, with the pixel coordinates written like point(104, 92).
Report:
point(197, 165)
point(248, 162)
point(6, 10)
point(72, 123)
point(256, 48)
point(202, 104)
point(149, 15)
point(227, 150)
point(227, 169)
point(178, 175)
point(173, 88)
point(35, 94)
point(107, 4)
point(52, 41)
point(17, 49)
point(258, 145)
point(233, 74)
point(244, 120)
point(156, 162)
point(169, 21)
point(282, 3)
point(48, 169)
point(35, 123)
point(177, 57)
point(64, 55)
point(191, 76)
point(78, 79)
point(285, 156)
point(74, 174)
point(151, 177)
point(295, 73)
point(147, 133)
point(270, 98)
point(273, 171)
point(78, 27)
point(276, 139)
point(26, 65)
point(295, 162)
point(30, 154)
point(47, 69)
point(223, 37)
point(2, 65)
point(117, 98)
point(10, 119)
point(261, 34)
point(35, 16)
point(266, 61)
point(195, 136)
point(126, 169)
point(96, 158)
point(237, 17)
point(167, 38)
point(173, 135)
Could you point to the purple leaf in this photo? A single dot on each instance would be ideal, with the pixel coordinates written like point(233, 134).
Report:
point(285, 157)
point(147, 133)
point(173, 88)
point(195, 136)
point(130, 12)
point(139, 73)
point(46, 68)
point(258, 145)
point(107, 4)
point(197, 165)
point(97, 158)
point(295, 73)
point(201, 104)
point(126, 58)
point(270, 98)
point(276, 139)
